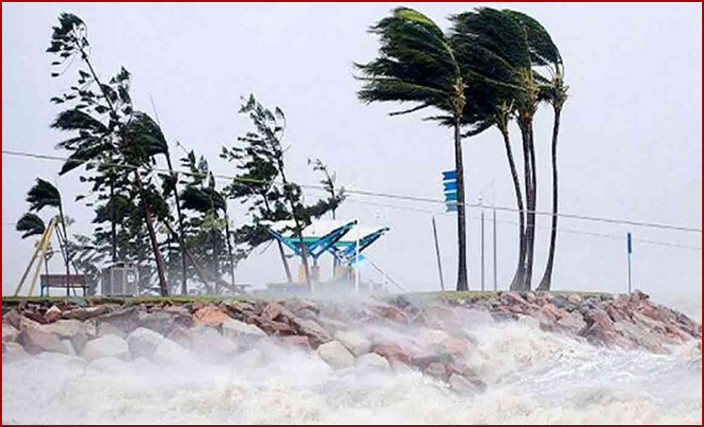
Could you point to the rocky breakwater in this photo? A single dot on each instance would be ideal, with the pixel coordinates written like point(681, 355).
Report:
point(392, 335)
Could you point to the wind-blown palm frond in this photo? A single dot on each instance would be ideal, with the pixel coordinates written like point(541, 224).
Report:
point(415, 64)
point(43, 194)
point(30, 225)
point(202, 199)
point(145, 133)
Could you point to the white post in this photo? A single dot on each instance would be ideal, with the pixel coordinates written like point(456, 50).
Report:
point(481, 234)
point(356, 265)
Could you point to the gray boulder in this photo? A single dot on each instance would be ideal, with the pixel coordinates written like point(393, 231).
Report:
point(336, 355)
point(240, 331)
point(463, 386)
point(9, 333)
point(73, 330)
point(13, 352)
point(36, 341)
point(373, 362)
point(107, 346)
point(143, 342)
point(355, 342)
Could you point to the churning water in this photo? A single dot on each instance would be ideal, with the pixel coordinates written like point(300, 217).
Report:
point(532, 377)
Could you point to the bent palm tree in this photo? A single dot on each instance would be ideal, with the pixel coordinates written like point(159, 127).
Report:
point(417, 65)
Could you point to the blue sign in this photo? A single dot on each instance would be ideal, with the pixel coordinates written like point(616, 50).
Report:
point(629, 243)
point(449, 175)
point(449, 183)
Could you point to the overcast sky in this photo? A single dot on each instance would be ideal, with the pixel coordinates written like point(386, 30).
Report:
point(630, 142)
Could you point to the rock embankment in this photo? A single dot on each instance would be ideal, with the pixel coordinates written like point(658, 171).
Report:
point(396, 334)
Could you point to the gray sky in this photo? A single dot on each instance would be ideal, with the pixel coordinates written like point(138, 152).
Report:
point(630, 140)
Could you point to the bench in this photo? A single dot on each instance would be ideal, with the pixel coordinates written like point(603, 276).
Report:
point(63, 281)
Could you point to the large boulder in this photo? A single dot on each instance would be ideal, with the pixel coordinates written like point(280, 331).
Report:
point(572, 323)
point(336, 355)
point(159, 321)
point(208, 343)
point(316, 334)
point(210, 315)
point(170, 353)
point(298, 341)
point(125, 320)
point(241, 331)
point(107, 346)
point(12, 352)
point(431, 337)
point(373, 362)
point(463, 386)
point(143, 342)
point(9, 333)
point(394, 352)
point(355, 342)
point(72, 330)
point(36, 341)
point(53, 314)
point(87, 312)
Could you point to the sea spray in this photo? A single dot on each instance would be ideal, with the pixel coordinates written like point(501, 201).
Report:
point(532, 376)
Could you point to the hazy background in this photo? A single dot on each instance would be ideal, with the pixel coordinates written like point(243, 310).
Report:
point(630, 142)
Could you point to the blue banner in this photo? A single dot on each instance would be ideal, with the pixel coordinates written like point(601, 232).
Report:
point(451, 196)
point(449, 175)
point(450, 185)
point(451, 207)
point(629, 243)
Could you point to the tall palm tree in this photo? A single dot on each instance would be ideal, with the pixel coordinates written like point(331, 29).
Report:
point(417, 65)
point(494, 46)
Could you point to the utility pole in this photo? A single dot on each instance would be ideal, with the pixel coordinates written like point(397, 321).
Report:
point(481, 208)
point(494, 246)
point(437, 255)
point(629, 247)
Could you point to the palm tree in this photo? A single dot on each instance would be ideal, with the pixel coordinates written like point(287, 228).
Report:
point(30, 225)
point(417, 65)
point(494, 47)
point(44, 194)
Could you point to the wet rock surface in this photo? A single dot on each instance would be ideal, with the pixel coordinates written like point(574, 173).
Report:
point(399, 334)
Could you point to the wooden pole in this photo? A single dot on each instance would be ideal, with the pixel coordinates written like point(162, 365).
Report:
point(437, 255)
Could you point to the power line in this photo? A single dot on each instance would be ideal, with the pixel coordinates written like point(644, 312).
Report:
point(369, 193)
point(560, 229)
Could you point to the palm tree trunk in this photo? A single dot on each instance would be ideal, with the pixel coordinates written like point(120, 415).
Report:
point(299, 231)
point(184, 265)
point(462, 282)
point(163, 287)
point(526, 130)
point(546, 281)
point(532, 203)
point(287, 269)
point(229, 250)
point(517, 278)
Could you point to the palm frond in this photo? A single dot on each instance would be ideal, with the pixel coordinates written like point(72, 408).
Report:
point(30, 225)
point(43, 194)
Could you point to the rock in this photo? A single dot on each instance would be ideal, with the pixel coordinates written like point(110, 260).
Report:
point(71, 351)
point(462, 386)
point(422, 361)
point(272, 327)
point(276, 312)
point(455, 346)
point(336, 355)
point(390, 312)
point(436, 370)
point(393, 352)
point(9, 333)
point(158, 321)
point(178, 310)
point(210, 315)
point(354, 341)
point(468, 374)
point(299, 341)
point(532, 321)
point(53, 314)
point(36, 341)
point(241, 331)
point(552, 312)
point(512, 298)
point(143, 342)
point(312, 330)
point(73, 330)
point(373, 362)
point(124, 320)
point(574, 298)
point(640, 337)
point(110, 329)
point(85, 313)
point(209, 344)
point(13, 352)
point(170, 353)
point(431, 337)
point(12, 318)
point(572, 323)
point(107, 346)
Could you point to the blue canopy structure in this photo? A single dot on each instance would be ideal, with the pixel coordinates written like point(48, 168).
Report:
point(318, 237)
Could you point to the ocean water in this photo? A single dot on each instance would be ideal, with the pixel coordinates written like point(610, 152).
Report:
point(532, 377)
